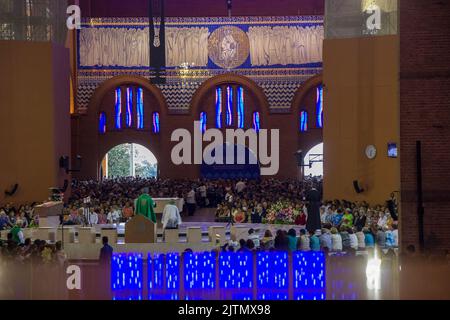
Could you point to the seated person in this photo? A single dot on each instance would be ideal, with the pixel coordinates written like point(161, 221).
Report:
point(254, 237)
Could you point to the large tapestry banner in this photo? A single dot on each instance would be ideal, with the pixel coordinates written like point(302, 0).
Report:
point(215, 44)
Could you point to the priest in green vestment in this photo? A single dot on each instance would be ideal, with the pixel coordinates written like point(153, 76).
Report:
point(145, 205)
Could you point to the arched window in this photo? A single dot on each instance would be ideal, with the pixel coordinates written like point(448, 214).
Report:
point(140, 109)
point(129, 114)
point(303, 121)
point(156, 127)
point(256, 121)
point(240, 107)
point(219, 107)
point(118, 109)
point(319, 107)
point(102, 123)
point(234, 102)
point(203, 119)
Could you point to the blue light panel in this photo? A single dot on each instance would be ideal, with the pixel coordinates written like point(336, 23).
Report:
point(218, 107)
point(229, 106)
point(319, 107)
point(156, 124)
point(102, 123)
point(305, 295)
point(172, 271)
point(126, 271)
point(129, 113)
point(303, 121)
point(155, 271)
point(240, 106)
point(273, 296)
point(309, 270)
point(272, 270)
point(118, 108)
point(200, 270)
point(140, 108)
point(236, 270)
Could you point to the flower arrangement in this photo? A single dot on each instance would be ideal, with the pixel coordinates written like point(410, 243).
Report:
point(281, 212)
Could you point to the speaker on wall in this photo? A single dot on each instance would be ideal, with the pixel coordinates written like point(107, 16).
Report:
point(12, 191)
point(358, 189)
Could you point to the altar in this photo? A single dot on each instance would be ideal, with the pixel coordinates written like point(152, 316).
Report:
point(160, 205)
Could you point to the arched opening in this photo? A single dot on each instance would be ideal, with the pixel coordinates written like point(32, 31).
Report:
point(245, 164)
point(129, 160)
point(314, 161)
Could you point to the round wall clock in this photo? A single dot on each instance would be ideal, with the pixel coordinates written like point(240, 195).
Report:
point(371, 152)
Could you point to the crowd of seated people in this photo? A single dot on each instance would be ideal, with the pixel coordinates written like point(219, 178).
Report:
point(37, 252)
point(112, 200)
point(22, 217)
point(329, 239)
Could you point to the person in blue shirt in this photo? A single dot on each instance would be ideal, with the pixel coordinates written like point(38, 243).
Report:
point(368, 238)
point(106, 252)
point(337, 218)
point(314, 242)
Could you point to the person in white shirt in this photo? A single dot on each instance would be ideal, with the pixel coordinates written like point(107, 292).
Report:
point(361, 239)
point(190, 202)
point(240, 186)
point(336, 240)
point(353, 239)
point(93, 218)
point(171, 218)
point(113, 216)
point(254, 237)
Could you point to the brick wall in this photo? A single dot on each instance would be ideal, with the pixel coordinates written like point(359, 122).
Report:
point(425, 116)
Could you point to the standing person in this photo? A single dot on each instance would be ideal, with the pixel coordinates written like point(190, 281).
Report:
point(106, 252)
point(145, 206)
point(190, 202)
point(202, 190)
point(171, 218)
point(313, 207)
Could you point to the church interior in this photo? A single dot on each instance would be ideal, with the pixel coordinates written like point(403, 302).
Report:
point(179, 150)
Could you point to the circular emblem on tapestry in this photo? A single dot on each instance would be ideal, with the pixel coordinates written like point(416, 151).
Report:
point(228, 47)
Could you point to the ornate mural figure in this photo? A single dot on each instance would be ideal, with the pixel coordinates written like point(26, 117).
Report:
point(228, 47)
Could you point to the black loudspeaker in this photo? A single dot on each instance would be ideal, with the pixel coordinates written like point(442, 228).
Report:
point(11, 192)
point(357, 187)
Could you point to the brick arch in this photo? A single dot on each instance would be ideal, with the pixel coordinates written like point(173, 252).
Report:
point(304, 89)
point(117, 81)
point(229, 78)
point(92, 146)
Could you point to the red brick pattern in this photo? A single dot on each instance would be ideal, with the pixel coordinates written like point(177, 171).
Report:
point(425, 116)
